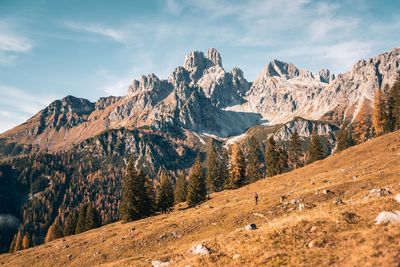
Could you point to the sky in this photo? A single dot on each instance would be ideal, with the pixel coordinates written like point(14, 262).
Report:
point(93, 48)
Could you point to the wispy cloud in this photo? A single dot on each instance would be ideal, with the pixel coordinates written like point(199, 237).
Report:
point(12, 43)
point(115, 35)
point(18, 105)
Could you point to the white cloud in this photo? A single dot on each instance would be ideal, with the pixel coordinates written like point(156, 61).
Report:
point(12, 43)
point(116, 35)
point(174, 6)
point(18, 105)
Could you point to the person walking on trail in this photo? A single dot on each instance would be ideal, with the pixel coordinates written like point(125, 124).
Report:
point(256, 198)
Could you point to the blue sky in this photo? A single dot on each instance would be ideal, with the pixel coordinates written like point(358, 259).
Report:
point(49, 49)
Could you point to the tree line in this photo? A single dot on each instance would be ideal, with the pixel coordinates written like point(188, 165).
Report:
point(221, 169)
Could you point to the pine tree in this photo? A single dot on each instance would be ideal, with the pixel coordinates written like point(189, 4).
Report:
point(165, 197)
point(283, 159)
point(70, 223)
point(394, 105)
point(137, 195)
point(26, 243)
point(315, 149)
point(378, 116)
point(237, 170)
point(53, 233)
point(213, 179)
point(272, 158)
point(295, 151)
point(254, 168)
point(344, 138)
point(197, 189)
point(93, 218)
point(81, 223)
point(180, 188)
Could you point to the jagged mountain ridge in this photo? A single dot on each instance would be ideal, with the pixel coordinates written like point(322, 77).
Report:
point(202, 97)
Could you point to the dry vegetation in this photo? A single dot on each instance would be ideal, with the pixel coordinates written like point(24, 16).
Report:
point(326, 232)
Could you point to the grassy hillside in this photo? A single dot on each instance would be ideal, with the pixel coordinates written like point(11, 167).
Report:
point(325, 232)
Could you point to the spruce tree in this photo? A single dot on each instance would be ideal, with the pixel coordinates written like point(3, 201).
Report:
point(315, 148)
point(81, 223)
point(344, 138)
point(378, 116)
point(197, 189)
point(93, 218)
point(254, 168)
point(70, 223)
point(180, 188)
point(237, 169)
point(295, 151)
point(213, 178)
point(283, 159)
point(388, 120)
point(394, 105)
point(165, 196)
point(272, 158)
point(137, 195)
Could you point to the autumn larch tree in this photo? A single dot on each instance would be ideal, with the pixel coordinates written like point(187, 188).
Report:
point(197, 189)
point(363, 124)
point(53, 233)
point(378, 116)
point(26, 243)
point(237, 169)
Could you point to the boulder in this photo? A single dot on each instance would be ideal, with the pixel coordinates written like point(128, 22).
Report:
point(388, 217)
point(199, 249)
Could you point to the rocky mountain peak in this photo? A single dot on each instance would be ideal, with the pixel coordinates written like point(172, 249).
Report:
point(146, 83)
point(281, 69)
point(196, 62)
point(214, 56)
point(326, 76)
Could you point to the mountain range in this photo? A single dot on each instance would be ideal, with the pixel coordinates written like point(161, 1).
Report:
point(202, 99)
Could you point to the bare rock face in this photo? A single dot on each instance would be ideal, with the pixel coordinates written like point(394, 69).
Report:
point(326, 76)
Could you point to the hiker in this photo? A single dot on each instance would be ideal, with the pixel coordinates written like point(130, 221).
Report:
point(256, 198)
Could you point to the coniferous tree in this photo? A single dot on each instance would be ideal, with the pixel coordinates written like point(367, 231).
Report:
point(26, 243)
point(93, 218)
point(81, 223)
point(295, 151)
point(197, 189)
point(344, 138)
point(362, 125)
point(17, 242)
point(137, 195)
point(378, 117)
point(272, 158)
point(237, 170)
point(388, 119)
point(213, 178)
point(165, 196)
point(315, 149)
point(254, 168)
point(180, 188)
point(53, 233)
point(70, 223)
point(283, 159)
point(394, 106)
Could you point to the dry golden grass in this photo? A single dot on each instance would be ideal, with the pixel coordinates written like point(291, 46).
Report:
point(322, 234)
